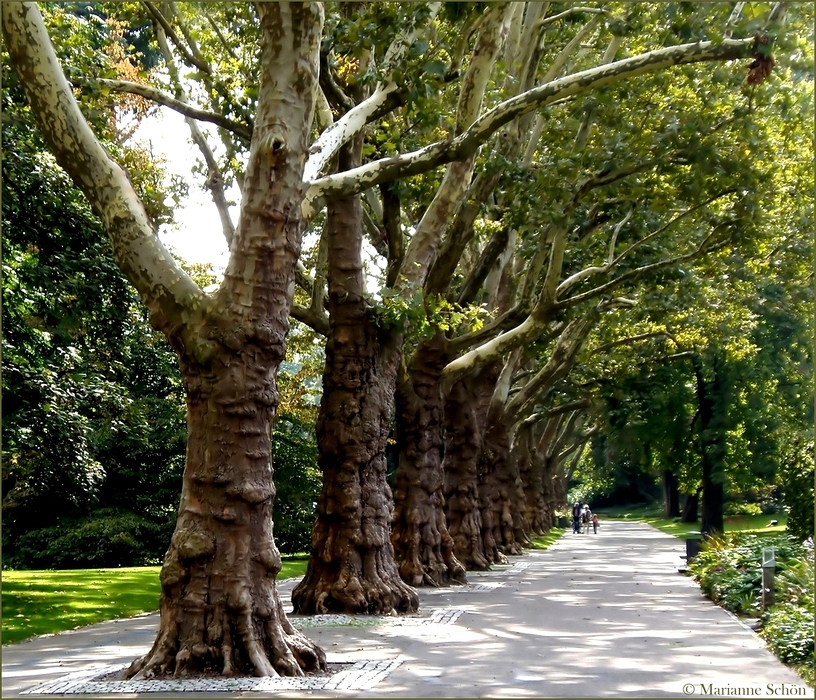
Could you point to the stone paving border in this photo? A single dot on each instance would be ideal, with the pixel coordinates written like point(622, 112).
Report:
point(363, 675)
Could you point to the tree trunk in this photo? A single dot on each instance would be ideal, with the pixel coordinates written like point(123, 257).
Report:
point(531, 474)
point(671, 494)
point(497, 489)
point(690, 505)
point(465, 412)
point(710, 397)
point(220, 609)
point(352, 567)
point(422, 543)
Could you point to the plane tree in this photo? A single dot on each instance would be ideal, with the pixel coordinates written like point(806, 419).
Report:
point(261, 81)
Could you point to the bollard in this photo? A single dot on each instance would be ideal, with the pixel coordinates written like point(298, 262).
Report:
point(692, 546)
point(768, 570)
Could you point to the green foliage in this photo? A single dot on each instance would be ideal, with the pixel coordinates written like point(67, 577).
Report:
point(105, 538)
point(788, 629)
point(93, 406)
point(729, 570)
point(797, 484)
point(297, 484)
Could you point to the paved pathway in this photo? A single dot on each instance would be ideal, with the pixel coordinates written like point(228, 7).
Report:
point(593, 616)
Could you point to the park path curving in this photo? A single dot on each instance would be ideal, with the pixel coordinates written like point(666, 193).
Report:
point(604, 615)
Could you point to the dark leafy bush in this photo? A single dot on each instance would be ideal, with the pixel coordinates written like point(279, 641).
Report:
point(106, 538)
point(788, 629)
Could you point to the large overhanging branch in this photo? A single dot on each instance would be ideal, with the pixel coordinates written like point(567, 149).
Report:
point(243, 131)
point(463, 146)
point(161, 283)
point(558, 365)
point(614, 261)
point(350, 124)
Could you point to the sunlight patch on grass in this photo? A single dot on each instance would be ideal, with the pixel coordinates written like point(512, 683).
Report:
point(47, 602)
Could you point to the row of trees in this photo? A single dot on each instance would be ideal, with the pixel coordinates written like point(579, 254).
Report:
point(629, 167)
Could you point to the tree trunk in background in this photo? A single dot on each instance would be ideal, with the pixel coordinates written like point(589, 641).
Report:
point(711, 399)
point(352, 567)
point(422, 544)
point(671, 494)
point(498, 491)
point(465, 413)
point(691, 503)
point(531, 476)
point(220, 609)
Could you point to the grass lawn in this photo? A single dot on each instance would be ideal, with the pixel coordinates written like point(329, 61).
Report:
point(45, 602)
point(546, 540)
point(673, 526)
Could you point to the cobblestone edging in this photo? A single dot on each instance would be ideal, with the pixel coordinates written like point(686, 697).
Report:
point(363, 675)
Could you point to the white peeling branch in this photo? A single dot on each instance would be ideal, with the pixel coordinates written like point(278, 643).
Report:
point(188, 110)
point(215, 180)
point(385, 169)
point(162, 284)
point(353, 121)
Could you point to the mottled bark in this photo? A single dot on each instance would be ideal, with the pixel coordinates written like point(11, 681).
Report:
point(671, 494)
point(352, 567)
point(499, 500)
point(532, 467)
point(220, 608)
point(465, 413)
point(422, 543)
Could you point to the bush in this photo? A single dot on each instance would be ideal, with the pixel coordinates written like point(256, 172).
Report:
point(729, 572)
point(788, 630)
point(742, 509)
point(106, 538)
point(729, 567)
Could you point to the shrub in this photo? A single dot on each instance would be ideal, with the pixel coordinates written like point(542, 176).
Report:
point(788, 630)
point(106, 538)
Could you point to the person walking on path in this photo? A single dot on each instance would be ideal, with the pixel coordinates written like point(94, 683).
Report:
point(594, 524)
point(576, 517)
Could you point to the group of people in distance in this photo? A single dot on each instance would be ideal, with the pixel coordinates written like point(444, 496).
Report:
point(582, 518)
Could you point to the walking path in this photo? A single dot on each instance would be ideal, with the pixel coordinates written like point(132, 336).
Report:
point(604, 615)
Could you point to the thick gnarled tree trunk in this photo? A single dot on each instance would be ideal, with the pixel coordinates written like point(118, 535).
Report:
point(220, 609)
point(465, 417)
point(422, 543)
point(352, 567)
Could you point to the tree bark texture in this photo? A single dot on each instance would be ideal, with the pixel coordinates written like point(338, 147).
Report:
point(352, 567)
point(220, 609)
point(532, 466)
point(465, 415)
point(422, 543)
point(465, 423)
point(497, 491)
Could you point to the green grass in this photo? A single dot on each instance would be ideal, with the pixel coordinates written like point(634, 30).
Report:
point(546, 540)
point(46, 602)
point(673, 526)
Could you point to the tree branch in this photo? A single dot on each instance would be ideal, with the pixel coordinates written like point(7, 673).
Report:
point(163, 286)
point(466, 144)
point(162, 98)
